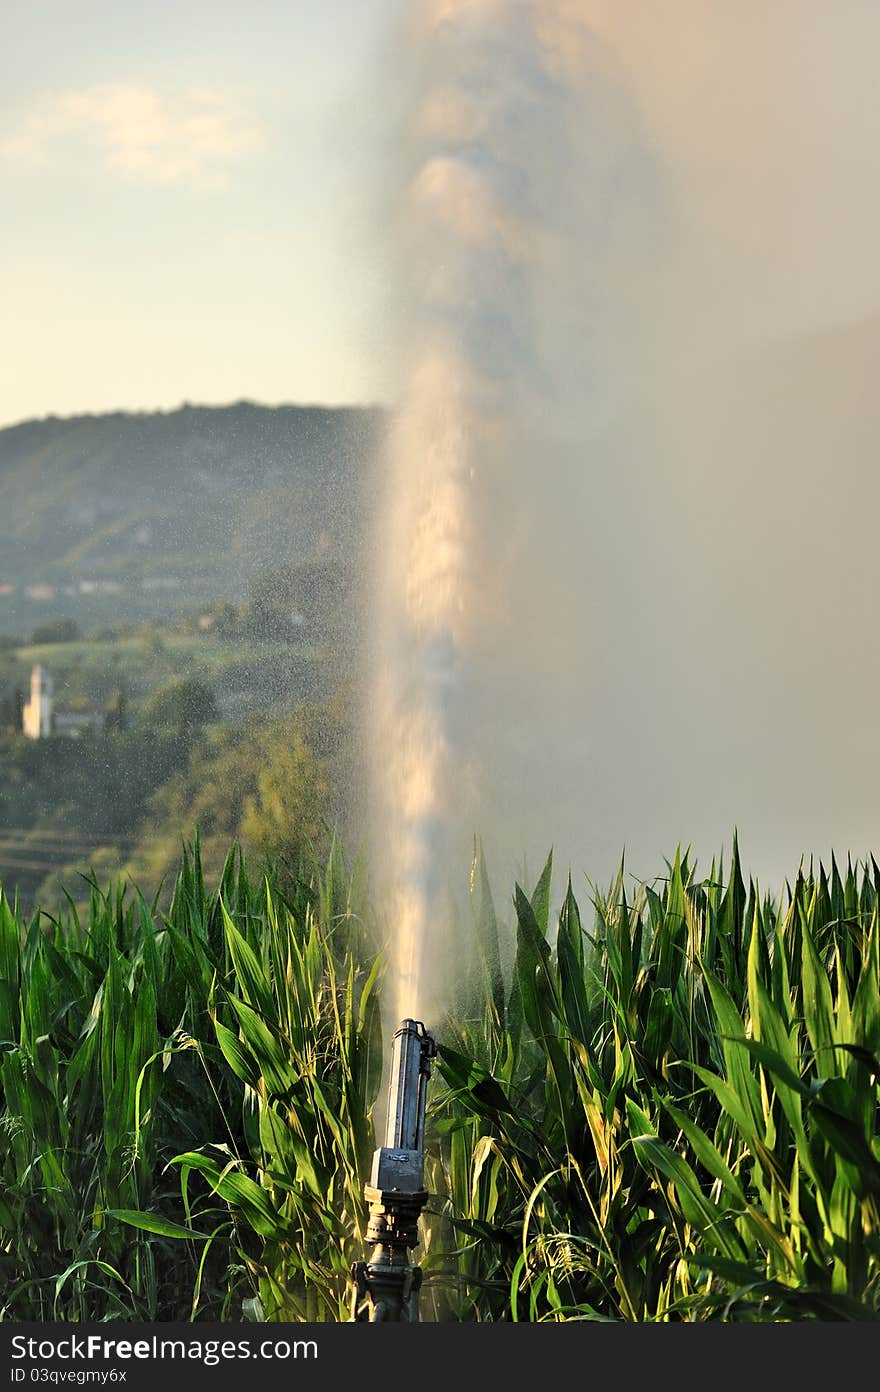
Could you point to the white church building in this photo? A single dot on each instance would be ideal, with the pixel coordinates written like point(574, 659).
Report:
point(41, 717)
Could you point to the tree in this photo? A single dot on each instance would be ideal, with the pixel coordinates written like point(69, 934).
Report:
point(183, 705)
point(117, 711)
point(288, 812)
point(56, 631)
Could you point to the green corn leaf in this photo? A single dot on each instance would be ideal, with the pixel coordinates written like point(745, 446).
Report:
point(707, 1153)
point(240, 1060)
point(267, 1049)
point(729, 1027)
point(251, 975)
point(570, 962)
point(818, 1006)
point(540, 900)
point(241, 1192)
point(155, 1223)
point(698, 1210)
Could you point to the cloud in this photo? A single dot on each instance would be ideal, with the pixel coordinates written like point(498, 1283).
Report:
point(138, 134)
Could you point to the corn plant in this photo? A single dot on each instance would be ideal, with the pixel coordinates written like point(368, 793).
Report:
point(236, 1038)
point(92, 1084)
point(297, 1020)
point(678, 1118)
point(667, 1112)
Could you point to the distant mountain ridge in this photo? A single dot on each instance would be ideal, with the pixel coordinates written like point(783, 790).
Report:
point(135, 515)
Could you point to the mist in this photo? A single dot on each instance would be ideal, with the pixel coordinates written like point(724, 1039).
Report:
point(627, 550)
point(732, 484)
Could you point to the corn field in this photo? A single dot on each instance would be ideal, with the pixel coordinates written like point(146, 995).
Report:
point(663, 1110)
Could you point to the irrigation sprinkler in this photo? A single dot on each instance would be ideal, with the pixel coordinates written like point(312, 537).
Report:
point(386, 1288)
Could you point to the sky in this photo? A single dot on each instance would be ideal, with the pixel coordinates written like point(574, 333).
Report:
point(188, 195)
point(197, 196)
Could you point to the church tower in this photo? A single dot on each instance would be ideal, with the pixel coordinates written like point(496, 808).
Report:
point(36, 718)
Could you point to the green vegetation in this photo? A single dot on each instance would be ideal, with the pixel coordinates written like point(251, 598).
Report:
point(276, 787)
point(55, 631)
point(195, 574)
point(669, 1115)
point(220, 705)
point(248, 676)
point(112, 804)
point(114, 1073)
point(117, 518)
point(674, 1115)
point(184, 706)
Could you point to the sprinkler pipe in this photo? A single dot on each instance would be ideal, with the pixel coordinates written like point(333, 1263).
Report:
point(386, 1287)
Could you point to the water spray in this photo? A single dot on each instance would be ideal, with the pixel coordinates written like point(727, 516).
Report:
point(386, 1288)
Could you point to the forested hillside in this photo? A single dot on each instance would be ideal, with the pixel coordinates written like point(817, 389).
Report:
point(134, 516)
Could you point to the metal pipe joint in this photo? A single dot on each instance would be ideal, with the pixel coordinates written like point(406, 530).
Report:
point(386, 1287)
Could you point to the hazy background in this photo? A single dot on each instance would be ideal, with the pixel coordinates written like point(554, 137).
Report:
point(202, 204)
point(687, 486)
point(732, 489)
point(197, 199)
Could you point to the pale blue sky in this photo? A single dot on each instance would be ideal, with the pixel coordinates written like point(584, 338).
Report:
point(189, 205)
point(196, 196)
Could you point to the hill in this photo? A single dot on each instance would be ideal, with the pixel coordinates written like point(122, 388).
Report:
point(136, 516)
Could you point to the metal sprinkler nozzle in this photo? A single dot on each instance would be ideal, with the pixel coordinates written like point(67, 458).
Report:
point(387, 1286)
